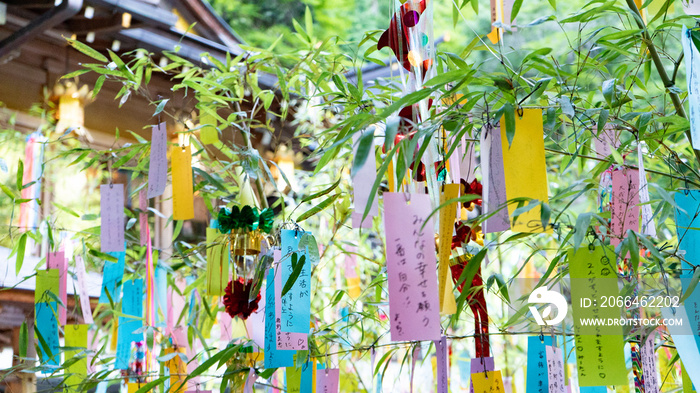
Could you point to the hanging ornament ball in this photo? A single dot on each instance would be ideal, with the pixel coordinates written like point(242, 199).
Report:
point(411, 18)
point(414, 58)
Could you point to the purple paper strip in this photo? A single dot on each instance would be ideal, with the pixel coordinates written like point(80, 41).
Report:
point(327, 380)
point(479, 365)
point(494, 187)
point(158, 166)
point(442, 368)
point(411, 268)
point(112, 218)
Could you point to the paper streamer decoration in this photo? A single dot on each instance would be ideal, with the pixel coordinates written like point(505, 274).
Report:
point(161, 284)
point(494, 182)
point(158, 165)
point(76, 336)
point(57, 260)
point(687, 223)
point(448, 305)
point(691, 7)
point(525, 169)
point(296, 304)
point(467, 165)
point(480, 366)
point(354, 289)
point(177, 368)
point(442, 366)
point(599, 357)
point(132, 310)
point(274, 357)
point(555, 369)
point(85, 305)
point(308, 377)
point(150, 284)
point(33, 170)
point(411, 271)
point(496, 34)
point(648, 227)
point(46, 329)
point(285, 340)
point(112, 218)
point(488, 382)
point(362, 181)
point(537, 377)
point(143, 216)
point(625, 204)
point(327, 380)
point(606, 140)
point(112, 276)
point(293, 379)
point(651, 381)
point(46, 281)
point(217, 263)
point(684, 340)
point(692, 71)
point(183, 197)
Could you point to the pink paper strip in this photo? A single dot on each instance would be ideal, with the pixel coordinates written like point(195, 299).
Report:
point(112, 218)
point(555, 369)
point(255, 324)
point(648, 227)
point(351, 263)
point(480, 365)
point(176, 306)
point(606, 139)
point(442, 368)
point(648, 357)
point(362, 182)
point(143, 217)
point(226, 327)
point(57, 260)
point(494, 182)
point(158, 166)
point(327, 380)
point(250, 381)
point(625, 204)
point(285, 340)
point(85, 306)
point(411, 268)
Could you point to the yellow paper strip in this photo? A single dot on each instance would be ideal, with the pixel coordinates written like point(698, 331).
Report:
point(496, 34)
point(354, 289)
point(178, 370)
point(488, 382)
point(183, 199)
point(217, 263)
point(448, 305)
point(525, 169)
point(46, 281)
point(391, 176)
point(75, 336)
point(208, 134)
point(133, 387)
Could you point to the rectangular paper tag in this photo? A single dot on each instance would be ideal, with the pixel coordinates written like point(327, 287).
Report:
point(488, 382)
point(183, 198)
point(687, 217)
point(494, 181)
point(208, 134)
point(448, 306)
point(143, 217)
point(537, 380)
point(158, 165)
point(47, 326)
point(296, 304)
point(525, 169)
point(648, 357)
point(625, 204)
point(57, 260)
point(112, 218)
point(285, 340)
point(76, 336)
point(112, 276)
point(274, 357)
point(479, 366)
point(132, 309)
point(85, 305)
point(648, 227)
point(692, 71)
point(327, 380)
point(46, 281)
point(362, 183)
point(218, 270)
point(555, 369)
point(411, 271)
point(293, 379)
point(442, 365)
point(178, 370)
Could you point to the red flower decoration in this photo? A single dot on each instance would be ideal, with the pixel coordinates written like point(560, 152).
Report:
point(236, 299)
point(473, 188)
point(462, 236)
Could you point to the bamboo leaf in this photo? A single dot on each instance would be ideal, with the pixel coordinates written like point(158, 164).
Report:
point(88, 51)
point(296, 271)
point(318, 208)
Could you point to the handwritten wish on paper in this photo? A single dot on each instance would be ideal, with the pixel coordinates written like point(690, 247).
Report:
point(648, 226)
point(57, 260)
point(327, 380)
point(555, 369)
point(600, 355)
point(494, 181)
point(112, 218)
point(296, 304)
point(625, 204)
point(479, 366)
point(649, 370)
point(448, 304)
point(692, 72)
point(411, 268)
point(158, 165)
point(362, 181)
point(46, 328)
point(488, 382)
point(274, 357)
point(442, 366)
point(687, 216)
point(85, 306)
point(130, 322)
point(525, 169)
point(183, 197)
point(112, 276)
point(285, 340)
point(537, 379)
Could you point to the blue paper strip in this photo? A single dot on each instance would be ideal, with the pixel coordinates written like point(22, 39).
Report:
point(47, 326)
point(112, 277)
point(132, 305)
point(161, 298)
point(307, 378)
point(296, 304)
point(688, 225)
point(537, 380)
point(594, 389)
point(273, 357)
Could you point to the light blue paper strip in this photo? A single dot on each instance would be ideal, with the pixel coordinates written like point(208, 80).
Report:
point(307, 378)
point(132, 305)
point(47, 326)
point(692, 71)
point(594, 389)
point(296, 305)
point(537, 380)
point(112, 277)
point(273, 357)
point(688, 225)
point(161, 298)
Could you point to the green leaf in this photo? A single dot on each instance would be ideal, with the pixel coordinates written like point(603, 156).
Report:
point(318, 208)
point(98, 85)
point(514, 11)
point(321, 193)
point(86, 50)
point(20, 174)
point(296, 271)
point(23, 340)
point(581, 228)
point(161, 106)
point(509, 115)
point(149, 386)
point(691, 286)
point(363, 150)
point(21, 246)
point(66, 209)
